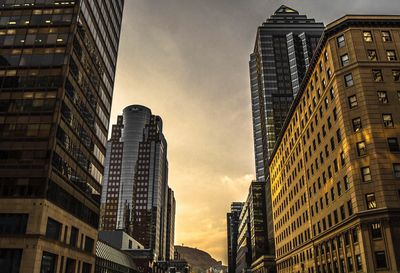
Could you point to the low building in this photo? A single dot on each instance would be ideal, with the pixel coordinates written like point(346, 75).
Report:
point(175, 266)
point(112, 260)
point(120, 240)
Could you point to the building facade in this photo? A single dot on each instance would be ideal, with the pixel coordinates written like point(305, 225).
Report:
point(233, 221)
point(284, 45)
point(244, 252)
point(283, 48)
point(171, 210)
point(112, 260)
point(336, 167)
point(57, 67)
point(135, 185)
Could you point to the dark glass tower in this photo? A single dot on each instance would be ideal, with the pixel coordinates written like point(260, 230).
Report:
point(57, 70)
point(135, 188)
point(284, 45)
point(233, 222)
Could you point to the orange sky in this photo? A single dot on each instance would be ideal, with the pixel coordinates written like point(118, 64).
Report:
point(187, 60)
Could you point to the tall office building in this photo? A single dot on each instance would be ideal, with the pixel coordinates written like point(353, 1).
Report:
point(135, 185)
point(57, 67)
point(170, 236)
point(336, 167)
point(284, 45)
point(283, 48)
point(244, 252)
point(232, 220)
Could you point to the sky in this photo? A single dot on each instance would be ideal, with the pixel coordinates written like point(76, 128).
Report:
point(187, 60)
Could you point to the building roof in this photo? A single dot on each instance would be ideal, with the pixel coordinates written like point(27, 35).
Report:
point(107, 252)
point(286, 10)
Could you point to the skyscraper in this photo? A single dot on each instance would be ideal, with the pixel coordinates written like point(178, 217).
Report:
point(233, 221)
point(57, 71)
point(284, 45)
point(135, 186)
point(171, 210)
point(336, 167)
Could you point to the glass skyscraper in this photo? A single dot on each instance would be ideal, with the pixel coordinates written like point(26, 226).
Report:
point(57, 71)
point(135, 189)
point(284, 46)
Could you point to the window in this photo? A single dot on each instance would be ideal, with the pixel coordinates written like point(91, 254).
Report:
point(357, 125)
point(348, 79)
point(341, 41)
point(89, 244)
point(387, 120)
point(393, 144)
point(396, 170)
point(377, 74)
point(86, 268)
point(339, 135)
point(380, 258)
point(49, 262)
point(396, 75)
point(350, 264)
point(70, 266)
point(366, 174)
point(342, 213)
point(361, 148)
point(382, 97)
point(386, 37)
point(353, 101)
point(371, 202)
point(367, 36)
point(391, 55)
point(345, 59)
point(354, 234)
point(372, 56)
point(350, 207)
point(10, 260)
point(53, 230)
point(13, 223)
point(346, 183)
point(342, 159)
point(74, 236)
point(358, 262)
point(376, 230)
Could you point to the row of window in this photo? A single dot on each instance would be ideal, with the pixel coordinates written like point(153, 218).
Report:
point(367, 36)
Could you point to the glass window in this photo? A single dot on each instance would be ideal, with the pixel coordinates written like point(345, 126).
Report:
point(372, 56)
point(377, 74)
point(350, 265)
point(89, 244)
point(382, 97)
point(345, 59)
point(86, 268)
point(49, 262)
point(53, 230)
point(346, 183)
point(357, 125)
point(350, 207)
point(359, 262)
point(353, 101)
point(393, 144)
point(371, 202)
point(348, 79)
point(70, 266)
point(341, 42)
point(396, 75)
point(387, 120)
point(366, 174)
point(367, 36)
point(386, 37)
point(361, 148)
point(74, 236)
point(380, 258)
point(13, 223)
point(396, 170)
point(376, 230)
point(391, 55)
point(10, 260)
